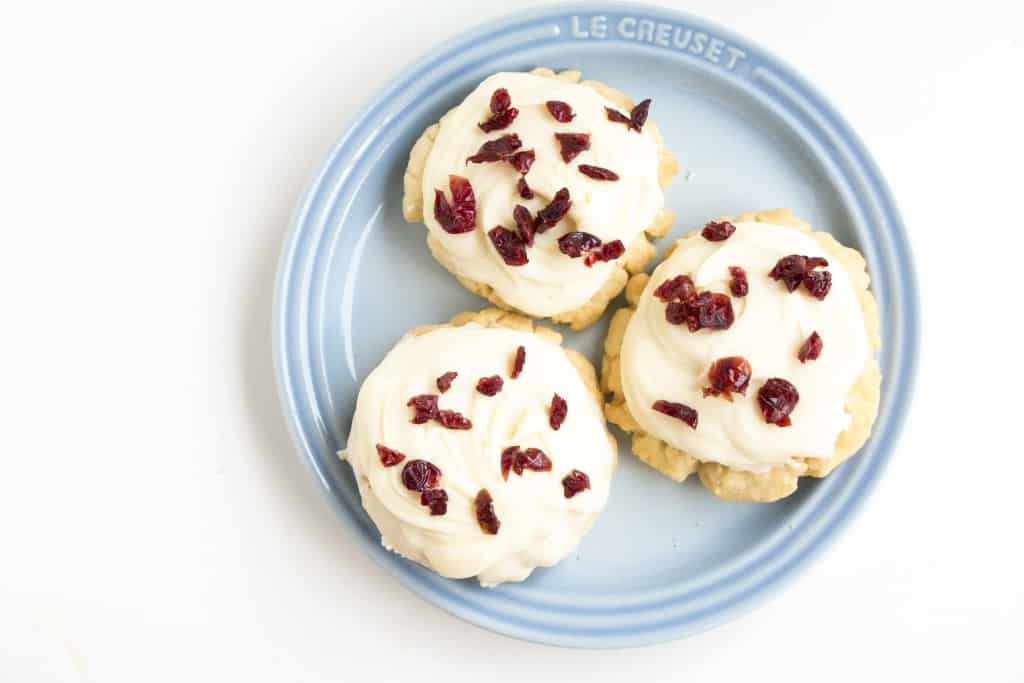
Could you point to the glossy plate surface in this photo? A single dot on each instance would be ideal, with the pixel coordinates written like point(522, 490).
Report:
point(664, 560)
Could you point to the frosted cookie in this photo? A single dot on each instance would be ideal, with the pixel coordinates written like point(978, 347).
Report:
point(480, 447)
point(539, 193)
point(748, 357)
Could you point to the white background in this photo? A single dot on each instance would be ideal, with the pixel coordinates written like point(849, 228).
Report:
point(156, 523)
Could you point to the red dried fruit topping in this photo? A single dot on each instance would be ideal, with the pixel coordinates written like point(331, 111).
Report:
point(436, 500)
point(502, 112)
point(388, 456)
point(522, 161)
point(676, 312)
point(420, 475)
point(444, 382)
point(489, 386)
point(717, 231)
point(518, 362)
point(706, 310)
point(777, 398)
point(500, 101)
point(524, 224)
point(727, 375)
point(678, 411)
point(811, 349)
point(425, 406)
point(818, 283)
point(638, 115)
point(616, 116)
point(574, 244)
point(510, 246)
point(678, 288)
point(453, 420)
point(508, 460)
point(498, 148)
point(559, 409)
point(524, 189)
point(791, 269)
point(738, 285)
point(597, 173)
point(485, 517)
point(549, 216)
point(560, 110)
point(460, 215)
point(608, 252)
point(531, 459)
point(575, 482)
point(572, 144)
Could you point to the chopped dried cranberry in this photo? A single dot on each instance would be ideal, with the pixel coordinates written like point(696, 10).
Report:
point(489, 386)
point(496, 149)
point(524, 189)
point(510, 246)
point(738, 285)
point(575, 482)
point(777, 398)
point(532, 459)
point(522, 161)
point(560, 110)
point(453, 420)
point(727, 375)
point(678, 288)
point(717, 231)
point(678, 411)
point(460, 215)
point(508, 460)
point(524, 224)
point(518, 362)
point(608, 252)
point(499, 120)
point(616, 116)
point(444, 382)
point(436, 500)
point(574, 244)
point(500, 101)
point(705, 310)
point(810, 349)
point(818, 283)
point(597, 173)
point(676, 312)
point(559, 409)
point(425, 406)
point(572, 144)
point(389, 457)
point(555, 211)
point(638, 115)
point(485, 517)
point(420, 475)
point(791, 269)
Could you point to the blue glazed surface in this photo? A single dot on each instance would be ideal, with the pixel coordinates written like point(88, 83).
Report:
point(664, 560)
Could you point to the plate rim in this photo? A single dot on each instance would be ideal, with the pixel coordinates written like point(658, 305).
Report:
point(817, 540)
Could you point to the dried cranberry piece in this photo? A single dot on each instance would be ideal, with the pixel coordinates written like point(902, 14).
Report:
point(559, 409)
point(727, 375)
point(420, 475)
point(616, 116)
point(444, 382)
point(738, 285)
point(388, 456)
point(485, 517)
point(532, 459)
point(523, 188)
point(678, 411)
point(597, 173)
point(574, 244)
point(489, 386)
point(510, 246)
point(524, 224)
point(460, 215)
point(500, 118)
point(453, 420)
point(572, 144)
point(500, 101)
point(714, 311)
point(676, 312)
point(518, 362)
point(777, 398)
point(425, 406)
point(549, 216)
point(497, 149)
point(522, 161)
point(638, 115)
point(508, 460)
point(791, 269)
point(560, 110)
point(436, 500)
point(818, 283)
point(608, 252)
point(575, 482)
point(678, 288)
point(811, 349)
point(717, 231)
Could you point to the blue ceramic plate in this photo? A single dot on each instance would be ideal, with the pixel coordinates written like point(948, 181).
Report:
point(664, 560)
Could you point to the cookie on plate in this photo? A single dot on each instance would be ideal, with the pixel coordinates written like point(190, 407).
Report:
point(480, 447)
point(748, 357)
point(539, 192)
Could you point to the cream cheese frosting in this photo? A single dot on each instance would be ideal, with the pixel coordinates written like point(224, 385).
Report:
point(551, 283)
point(539, 525)
point(661, 361)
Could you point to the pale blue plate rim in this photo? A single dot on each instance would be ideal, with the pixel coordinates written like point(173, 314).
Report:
point(742, 583)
